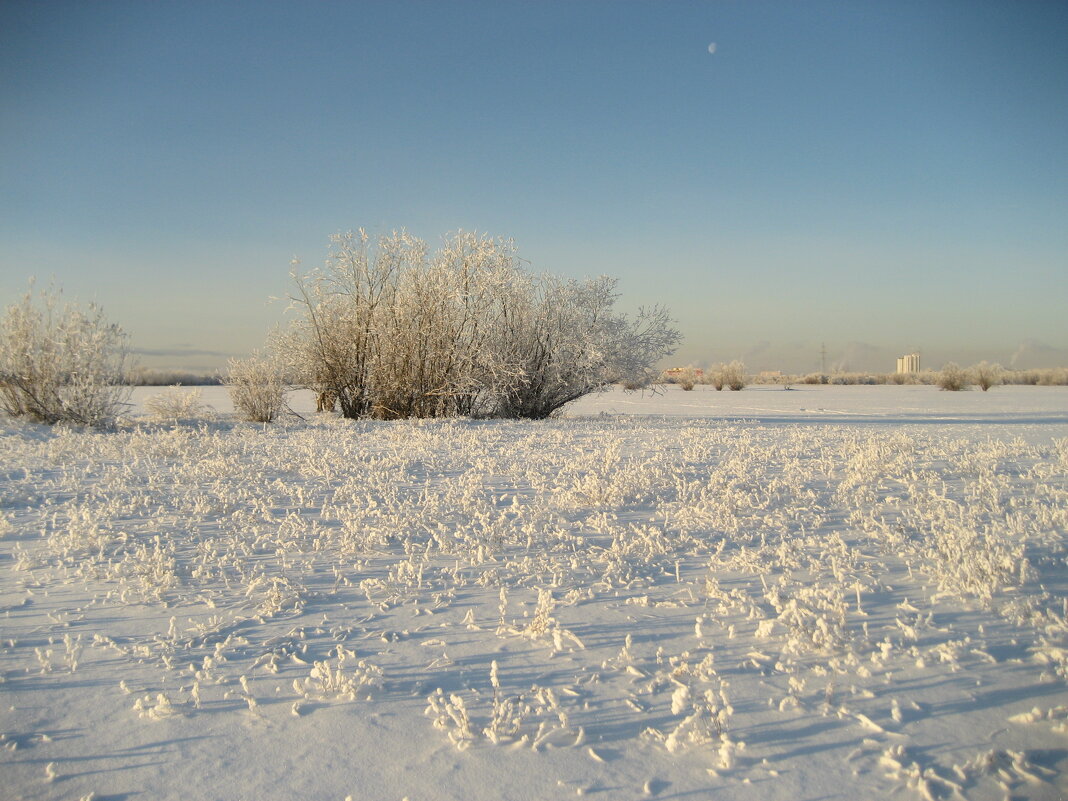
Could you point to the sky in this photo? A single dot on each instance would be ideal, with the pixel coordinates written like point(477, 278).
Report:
point(875, 178)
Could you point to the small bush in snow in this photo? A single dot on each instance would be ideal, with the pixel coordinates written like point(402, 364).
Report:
point(60, 363)
point(686, 378)
point(175, 404)
point(953, 378)
point(734, 375)
point(987, 375)
point(257, 387)
point(1053, 377)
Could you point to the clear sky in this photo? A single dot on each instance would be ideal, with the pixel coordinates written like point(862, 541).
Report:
point(878, 176)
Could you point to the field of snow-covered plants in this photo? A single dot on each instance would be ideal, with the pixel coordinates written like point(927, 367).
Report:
point(831, 592)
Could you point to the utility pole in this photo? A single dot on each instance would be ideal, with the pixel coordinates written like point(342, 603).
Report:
point(823, 358)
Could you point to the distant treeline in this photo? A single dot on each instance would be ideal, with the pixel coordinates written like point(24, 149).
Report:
point(1045, 377)
point(983, 374)
point(145, 377)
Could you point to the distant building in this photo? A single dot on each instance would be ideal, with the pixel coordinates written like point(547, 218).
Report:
point(909, 363)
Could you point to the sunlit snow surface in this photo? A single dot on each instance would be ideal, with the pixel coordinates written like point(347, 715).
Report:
point(827, 592)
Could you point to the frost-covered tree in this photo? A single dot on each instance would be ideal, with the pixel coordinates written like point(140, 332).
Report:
point(394, 332)
point(60, 363)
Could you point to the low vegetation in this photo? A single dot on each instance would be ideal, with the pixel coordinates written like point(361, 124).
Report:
point(151, 377)
point(60, 363)
point(177, 404)
point(953, 378)
point(392, 331)
point(733, 375)
point(648, 592)
point(258, 387)
point(994, 375)
point(986, 375)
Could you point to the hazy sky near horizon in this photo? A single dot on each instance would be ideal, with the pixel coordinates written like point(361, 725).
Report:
point(881, 177)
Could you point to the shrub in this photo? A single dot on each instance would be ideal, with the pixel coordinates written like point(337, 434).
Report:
point(61, 364)
point(686, 378)
point(953, 378)
point(1048, 377)
point(561, 340)
point(927, 378)
point(733, 375)
point(987, 375)
point(174, 404)
point(257, 387)
point(393, 332)
point(1028, 378)
point(1053, 377)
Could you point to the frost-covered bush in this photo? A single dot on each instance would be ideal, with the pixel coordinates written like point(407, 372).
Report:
point(1055, 377)
point(987, 375)
point(861, 379)
point(715, 377)
point(257, 387)
point(439, 353)
point(733, 375)
point(953, 378)
point(1045, 377)
point(686, 378)
point(59, 363)
point(175, 404)
point(392, 331)
point(560, 341)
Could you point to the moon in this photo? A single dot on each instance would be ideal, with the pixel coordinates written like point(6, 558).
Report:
point(712, 48)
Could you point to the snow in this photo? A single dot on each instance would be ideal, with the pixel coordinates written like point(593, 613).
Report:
point(827, 592)
point(887, 404)
point(917, 404)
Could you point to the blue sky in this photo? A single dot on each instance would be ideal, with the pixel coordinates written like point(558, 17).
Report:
point(877, 176)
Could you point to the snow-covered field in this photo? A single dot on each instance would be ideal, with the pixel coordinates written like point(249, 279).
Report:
point(823, 593)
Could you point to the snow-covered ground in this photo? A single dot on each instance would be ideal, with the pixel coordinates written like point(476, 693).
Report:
point(773, 404)
point(822, 593)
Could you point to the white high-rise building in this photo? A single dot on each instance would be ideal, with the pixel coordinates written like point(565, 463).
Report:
point(909, 363)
